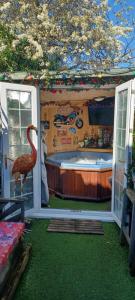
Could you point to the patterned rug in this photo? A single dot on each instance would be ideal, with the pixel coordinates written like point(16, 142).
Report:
point(75, 226)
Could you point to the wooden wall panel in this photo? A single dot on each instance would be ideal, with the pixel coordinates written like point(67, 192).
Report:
point(64, 104)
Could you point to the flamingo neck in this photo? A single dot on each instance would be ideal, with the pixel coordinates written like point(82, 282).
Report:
point(34, 151)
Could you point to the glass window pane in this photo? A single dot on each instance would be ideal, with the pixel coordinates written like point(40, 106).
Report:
point(124, 119)
point(120, 101)
point(120, 119)
point(12, 99)
point(15, 188)
point(118, 137)
point(122, 155)
point(25, 100)
point(123, 133)
point(28, 185)
point(25, 118)
point(24, 139)
point(14, 136)
point(125, 99)
point(16, 151)
point(20, 116)
point(13, 118)
point(30, 174)
point(28, 203)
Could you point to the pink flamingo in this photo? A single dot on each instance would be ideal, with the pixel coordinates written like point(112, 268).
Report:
point(26, 162)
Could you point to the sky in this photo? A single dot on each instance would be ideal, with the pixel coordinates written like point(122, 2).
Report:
point(132, 15)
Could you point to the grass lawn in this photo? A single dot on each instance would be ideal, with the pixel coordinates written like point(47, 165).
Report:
point(76, 266)
point(56, 202)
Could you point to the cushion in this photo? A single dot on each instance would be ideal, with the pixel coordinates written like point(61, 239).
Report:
point(10, 233)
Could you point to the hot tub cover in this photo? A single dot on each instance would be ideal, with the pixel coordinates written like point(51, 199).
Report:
point(81, 160)
point(10, 234)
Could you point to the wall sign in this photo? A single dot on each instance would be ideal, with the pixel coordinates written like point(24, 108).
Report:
point(72, 130)
point(66, 141)
point(62, 132)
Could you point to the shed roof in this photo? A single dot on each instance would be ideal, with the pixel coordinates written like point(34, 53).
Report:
point(63, 74)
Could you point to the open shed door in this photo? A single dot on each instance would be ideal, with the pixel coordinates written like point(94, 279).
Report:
point(19, 108)
point(122, 149)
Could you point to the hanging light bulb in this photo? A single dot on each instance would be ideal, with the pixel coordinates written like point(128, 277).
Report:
point(98, 99)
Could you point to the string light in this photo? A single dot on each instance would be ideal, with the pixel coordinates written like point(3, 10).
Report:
point(75, 82)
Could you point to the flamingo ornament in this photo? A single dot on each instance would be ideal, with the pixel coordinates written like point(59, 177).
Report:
point(26, 162)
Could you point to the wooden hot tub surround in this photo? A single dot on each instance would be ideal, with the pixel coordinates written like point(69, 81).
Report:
point(83, 184)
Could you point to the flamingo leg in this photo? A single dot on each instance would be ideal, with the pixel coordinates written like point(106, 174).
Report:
point(17, 176)
point(24, 179)
point(22, 188)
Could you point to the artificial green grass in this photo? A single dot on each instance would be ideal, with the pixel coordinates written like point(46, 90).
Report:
point(56, 202)
point(76, 266)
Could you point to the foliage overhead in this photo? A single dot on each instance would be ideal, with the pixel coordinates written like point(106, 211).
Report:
point(49, 34)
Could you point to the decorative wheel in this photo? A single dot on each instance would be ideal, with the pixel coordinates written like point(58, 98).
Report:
point(79, 123)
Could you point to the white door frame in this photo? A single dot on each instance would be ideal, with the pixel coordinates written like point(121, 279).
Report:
point(37, 211)
point(130, 86)
point(36, 121)
point(99, 215)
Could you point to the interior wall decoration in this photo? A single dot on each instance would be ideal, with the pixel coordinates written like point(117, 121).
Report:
point(79, 123)
point(66, 141)
point(65, 119)
point(88, 136)
point(61, 132)
point(72, 130)
point(64, 109)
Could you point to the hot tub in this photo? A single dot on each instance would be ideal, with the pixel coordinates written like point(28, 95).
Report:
point(80, 175)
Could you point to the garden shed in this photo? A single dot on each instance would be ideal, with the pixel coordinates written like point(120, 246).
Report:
point(74, 112)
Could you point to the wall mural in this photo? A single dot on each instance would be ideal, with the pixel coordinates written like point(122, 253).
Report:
point(69, 119)
point(69, 127)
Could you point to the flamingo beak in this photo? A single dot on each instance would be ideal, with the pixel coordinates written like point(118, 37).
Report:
point(36, 130)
